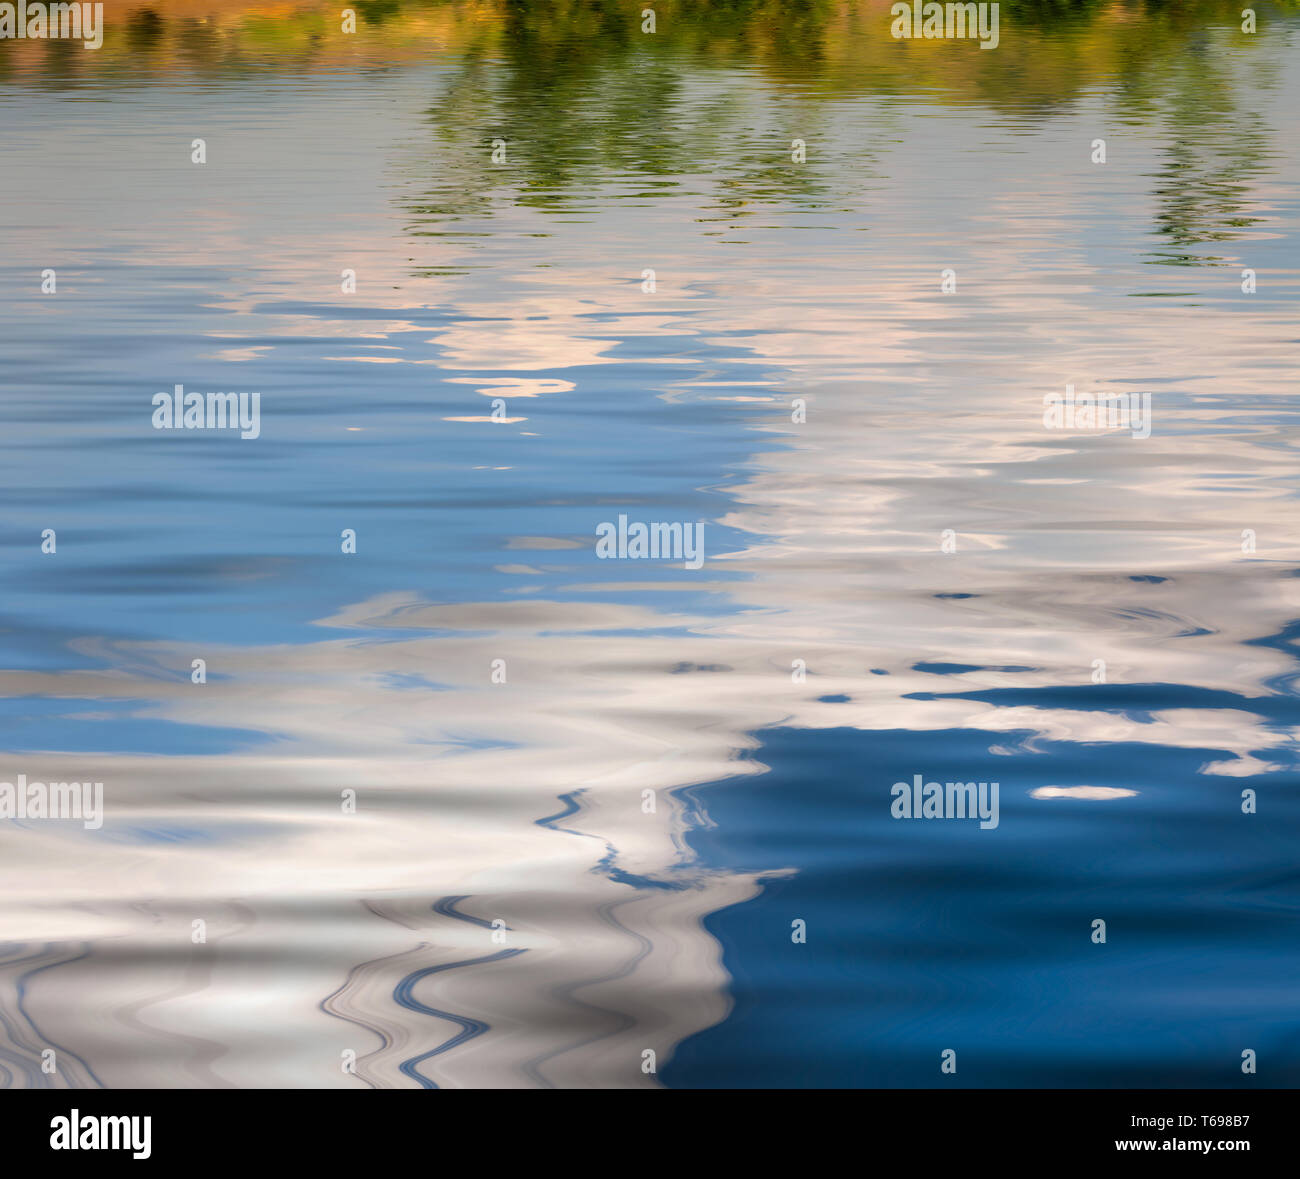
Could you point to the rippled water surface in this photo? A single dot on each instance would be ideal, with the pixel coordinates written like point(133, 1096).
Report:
point(610, 842)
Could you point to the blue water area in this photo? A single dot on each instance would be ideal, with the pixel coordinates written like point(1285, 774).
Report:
point(928, 935)
point(108, 726)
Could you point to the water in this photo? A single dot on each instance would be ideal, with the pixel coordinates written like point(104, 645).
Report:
point(504, 908)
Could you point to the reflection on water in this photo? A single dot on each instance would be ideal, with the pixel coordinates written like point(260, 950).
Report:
point(596, 848)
